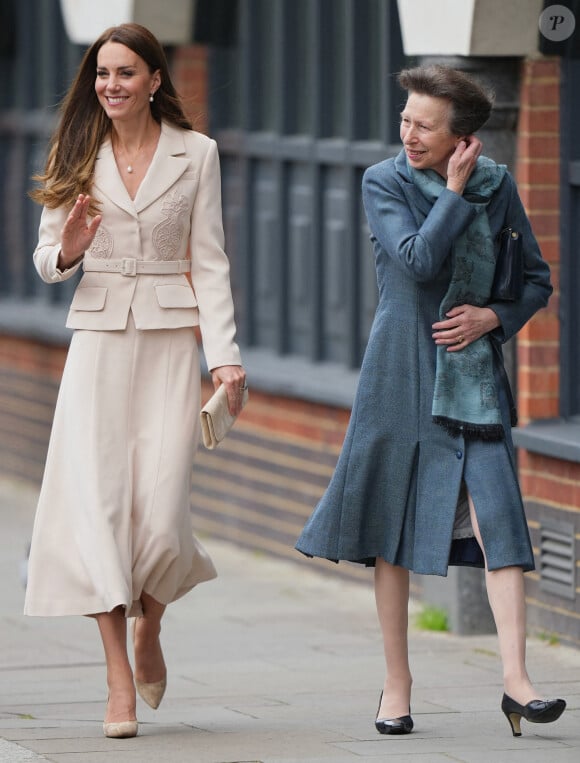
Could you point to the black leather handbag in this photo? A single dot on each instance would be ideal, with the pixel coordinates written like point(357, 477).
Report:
point(508, 281)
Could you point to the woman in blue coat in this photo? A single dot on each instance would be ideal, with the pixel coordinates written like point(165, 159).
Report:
point(427, 475)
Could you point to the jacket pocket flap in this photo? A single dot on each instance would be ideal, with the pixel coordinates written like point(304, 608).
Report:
point(89, 298)
point(175, 295)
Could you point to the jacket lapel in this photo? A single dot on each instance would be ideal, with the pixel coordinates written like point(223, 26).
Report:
point(169, 163)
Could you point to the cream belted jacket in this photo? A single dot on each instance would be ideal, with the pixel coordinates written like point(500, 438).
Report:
point(177, 210)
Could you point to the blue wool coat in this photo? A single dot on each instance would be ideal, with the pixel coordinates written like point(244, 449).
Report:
point(394, 493)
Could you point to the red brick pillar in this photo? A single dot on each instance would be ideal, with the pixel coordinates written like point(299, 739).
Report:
point(189, 72)
point(538, 176)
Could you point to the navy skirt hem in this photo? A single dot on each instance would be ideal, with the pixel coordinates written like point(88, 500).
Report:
point(464, 552)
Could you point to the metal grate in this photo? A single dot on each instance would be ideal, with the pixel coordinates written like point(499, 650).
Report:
point(558, 559)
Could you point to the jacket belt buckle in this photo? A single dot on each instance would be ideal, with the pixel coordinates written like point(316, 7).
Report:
point(129, 266)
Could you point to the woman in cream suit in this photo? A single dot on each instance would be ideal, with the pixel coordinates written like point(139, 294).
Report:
point(131, 195)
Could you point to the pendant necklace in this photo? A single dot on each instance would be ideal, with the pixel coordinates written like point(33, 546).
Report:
point(130, 167)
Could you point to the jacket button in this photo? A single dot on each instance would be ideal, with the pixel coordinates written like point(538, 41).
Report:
point(459, 454)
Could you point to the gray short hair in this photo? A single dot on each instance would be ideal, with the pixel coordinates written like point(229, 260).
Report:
point(471, 102)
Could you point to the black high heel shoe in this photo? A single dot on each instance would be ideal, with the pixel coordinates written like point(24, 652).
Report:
point(536, 711)
point(402, 725)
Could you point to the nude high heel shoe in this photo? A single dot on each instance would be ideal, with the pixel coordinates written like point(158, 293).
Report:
point(120, 729)
point(151, 693)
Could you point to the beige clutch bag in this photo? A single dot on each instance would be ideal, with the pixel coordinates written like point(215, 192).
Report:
point(216, 420)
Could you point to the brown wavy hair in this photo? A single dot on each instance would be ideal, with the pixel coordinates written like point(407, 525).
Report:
point(471, 102)
point(83, 123)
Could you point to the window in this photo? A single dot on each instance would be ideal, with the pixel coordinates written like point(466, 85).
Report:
point(299, 109)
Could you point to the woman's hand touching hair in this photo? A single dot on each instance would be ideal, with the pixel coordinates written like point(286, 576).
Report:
point(462, 163)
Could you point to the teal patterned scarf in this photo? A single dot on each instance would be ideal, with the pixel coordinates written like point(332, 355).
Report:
point(465, 398)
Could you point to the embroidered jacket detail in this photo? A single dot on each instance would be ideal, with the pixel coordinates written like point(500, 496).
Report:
point(102, 246)
point(168, 234)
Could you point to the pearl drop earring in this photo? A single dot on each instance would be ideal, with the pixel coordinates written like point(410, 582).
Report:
point(151, 98)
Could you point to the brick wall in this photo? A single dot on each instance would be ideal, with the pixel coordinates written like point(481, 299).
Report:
point(30, 372)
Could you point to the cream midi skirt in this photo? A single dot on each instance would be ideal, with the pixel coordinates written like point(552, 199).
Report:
point(113, 517)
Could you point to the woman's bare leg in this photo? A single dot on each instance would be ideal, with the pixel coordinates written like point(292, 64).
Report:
point(505, 591)
point(392, 598)
point(113, 629)
point(149, 662)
